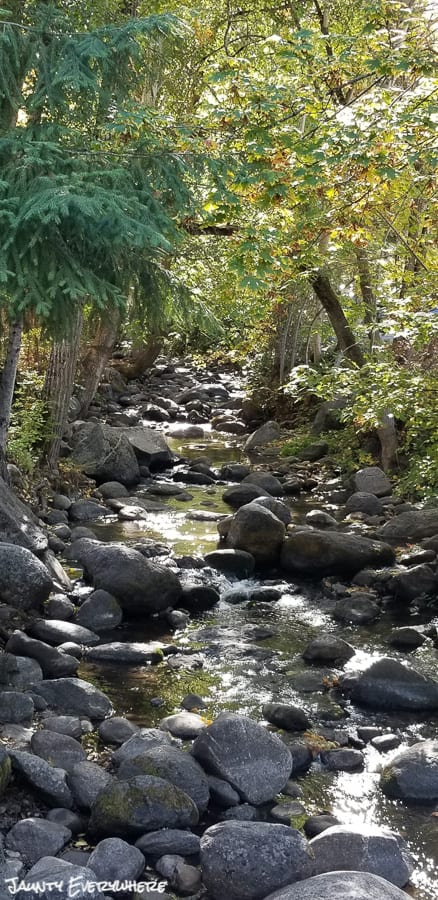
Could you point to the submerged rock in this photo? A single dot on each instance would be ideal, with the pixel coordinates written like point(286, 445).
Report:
point(389, 684)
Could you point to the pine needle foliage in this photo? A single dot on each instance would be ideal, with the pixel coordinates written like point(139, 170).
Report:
point(80, 212)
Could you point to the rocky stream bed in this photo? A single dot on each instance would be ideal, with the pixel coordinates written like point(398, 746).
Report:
point(217, 671)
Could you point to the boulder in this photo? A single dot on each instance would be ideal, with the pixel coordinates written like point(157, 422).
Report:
point(340, 886)
point(130, 653)
point(5, 770)
point(357, 609)
point(15, 707)
point(264, 435)
point(413, 525)
point(313, 452)
point(231, 562)
point(257, 531)
point(328, 648)
point(247, 860)
point(169, 840)
point(256, 763)
point(49, 782)
point(149, 446)
point(342, 759)
point(389, 684)
point(372, 480)
point(184, 725)
point(412, 774)
point(86, 780)
point(144, 803)
point(275, 506)
point(197, 598)
point(58, 879)
point(265, 480)
point(175, 766)
point(111, 490)
point(409, 584)
point(115, 860)
point(34, 838)
point(116, 730)
point(287, 716)
point(320, 519)
point(321, 553)
point(362, 848)
point(74, 696)
point(364, 502)
point(99, 612)
point(72, 726)
point(18, 524)
point(234, 471)
point(24, 580)
point(52, 662)
point(105, 454)
point(56, 631)
point(241, 494)
point(139, 743)
point(59, 750)
point(141, 587)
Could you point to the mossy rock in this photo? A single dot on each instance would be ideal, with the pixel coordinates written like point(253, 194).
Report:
point(135, 806)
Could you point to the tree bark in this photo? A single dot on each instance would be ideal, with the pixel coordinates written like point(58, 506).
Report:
point(8, 378)
point(142, 358)
point(366, 285)
point(330, 302)
point(97, 356)
point(58, 387)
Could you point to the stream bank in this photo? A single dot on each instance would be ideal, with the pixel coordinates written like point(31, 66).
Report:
point(271, 643)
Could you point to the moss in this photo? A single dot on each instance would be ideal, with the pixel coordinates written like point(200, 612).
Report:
point(5, 773)
point(298, 821)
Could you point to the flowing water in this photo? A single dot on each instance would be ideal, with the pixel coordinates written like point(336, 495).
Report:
point(240, 656)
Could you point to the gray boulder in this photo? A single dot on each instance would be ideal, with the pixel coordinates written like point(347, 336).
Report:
point(67, 725)
point(321, 553)
point(372, 480)
point(363, 848)
point(131, 653)
point(264, 435)
point(412, 525)
point(172, 764)
point(53, 662)
point(365, 503)
point(74, 696)
point(49, 782)
point(99, 612)
point(247, 860)
point(141, 587)
point(110, 490)
point(87, 511)
point(408, 584)
point(114, 859)
point(389, 684)
point(328, 648)
point(256, 763)
point(340, 886)
point(116, 730)
point(412, 775)
point(275, 506)
point(287, 716)
point(60, 880)
point(86, 780)
point(185, 725)
point(15, 707)
point(265, 480)
point(24, 580)
point(34, 838)
point(357, 609)
point(145, 803)
point(59, 750)
point(105, 454)
point(150, 446)
point(24, 672)
point(241, 494)
point(56, 631)
point(18, 524)
point(140, 743)
point(257, 531)
point(169, 840)
point(231, 562)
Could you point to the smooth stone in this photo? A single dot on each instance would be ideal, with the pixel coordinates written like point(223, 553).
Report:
point(264, 435)
point(15, 707)
point(344, 759)
point(99, 612)
point(406, 638)
point(116, 730)
point(183, 725)
point(74, 696)
point(280, 510)
point(372, 480)
point(222, 793)
point(287, 716)
point(169, 840)
point(49, 782)
point(231, 562)
point(328, 648)
point(242, 494)
point(35, 838)
point(113, 859)
point(52, 661)
point(363, 848)
point(69, 725)
point(25, 582)
point(357, 609)
point(257, 531)
point(59, 750)
point(320, 519)
point(199, 597)
point(413, 525)
point(86, 780)
point(364, 502)
point(175, 766)
point(385, 742)
point(65, 817)
point(145, 803)
point(140, 742)
point(321, 553)
point(59, 607)
point(318, 823)
point(412, 774)
point(59, 879)
point(54, 631)
point(388, 684)
point(87, 511)
point(129, 653)
point(265, 480)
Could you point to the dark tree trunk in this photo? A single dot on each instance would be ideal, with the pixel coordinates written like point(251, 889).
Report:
point(330, 302)
point(58, 387)
point(97, 356)
point(8, 378)
point(366, 285)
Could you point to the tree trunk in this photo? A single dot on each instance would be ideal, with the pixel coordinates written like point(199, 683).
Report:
point(366, 285)
point(8, 377)
point(97, 356)
point(331, 303)
point(388, 441)
point(142, 358)
point(58, 387)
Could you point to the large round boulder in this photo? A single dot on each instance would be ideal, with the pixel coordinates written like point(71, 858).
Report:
point(372, 480)
point(362, 848)
point(321, 553)
point(173, 765)
point(254, 761)
point(24, 580)
point(389, 684)
point(105, 454)
point(141, 587)
point(144, 803)
point(412, 775)
point(245, 860)
point(340, 886)
point(258, 531)
point(73, 696)
point(414, 525)
point(265, 480)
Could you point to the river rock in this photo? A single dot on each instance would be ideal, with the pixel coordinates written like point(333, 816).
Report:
point(99, 612)
point(362, 848)
point(321, 553)
point(342, 759)
point(149, 446)
point(174, 765)
point(61, 880)
point(406, 638)
point(145, 803)
point(116, 730)
point(389, 684)
point(68, 725)
point(372, 480)
point(275, 506)
point(231, 562)
point(197, 598)
point(183, 878)
point(24, 580)
point(357, 609)
point(264, 435)
point(318, 823)
point(412, 525)
point(114, 859)
point(74, 696)
point(59, 750)
point(412, 775)
point(287, 716)
point(409, 584)
point(246, 860)
point(241, 494)
point(313, 452)
point(234, 471)
point(320, 519)
point(56, 631)
point(256, 763)
point(340, 886)
point(71, 820)
point(328, 648)
point(105, 454)
point(364, 502)
point(59, 607)
point(139, 743)
point(15, 707)
point(110, 490)
point(87, 510)
point(131, 653)
point(141, 587)
point(169, 840)
point(257, 531)
point(184, 725)
point(34, 838)
point(26, 672)
point(49, 782)
point(86, 780)
point(265, 480)
point(52, 661)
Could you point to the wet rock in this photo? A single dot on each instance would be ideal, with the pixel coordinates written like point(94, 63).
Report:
point(342, 759)
point(266, 481)
point(99, 612)
point(317, 824)
point(340, 886)
point(385, 742)
point(234, 471)
point(321, 553)
point(363, 848)
point(141, 587)
point(320, 519)
point(328, 648)
point(228, 424)
point(412, 775)
point(246, 860)
point(24, 580)
point(365, 503)
point(358, 609)
point(145, 803)
point(265, 594)
point(257, 531)
point(256, 763)
point(59, 607)
point(109, 490)
point(15, 707)
point(241, 494)
point(169, 840)
point(198, 597)
point(150, 447)
point(139, 743)
point(412, 525)
point(116, 730)
point(49, 782)
point(55, 631)
point(284, 813)
point(263, 436)
point(175, 766)
point(406, 638)
point(34, 838)
point(114, 859)
point(59, 750)
point(183, 725)
point(74, 696)
point(86, 780)
point(284, 715)
point(389, 684)
point(68, 725)
point(87, 511)
point(409, 584)
point(232, 562)
point(105, 454)
point(275, 506)
point(372, 480)
point(131, 653)
point(193, 702)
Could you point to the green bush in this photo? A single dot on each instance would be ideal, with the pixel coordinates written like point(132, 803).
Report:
point(28, 427)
